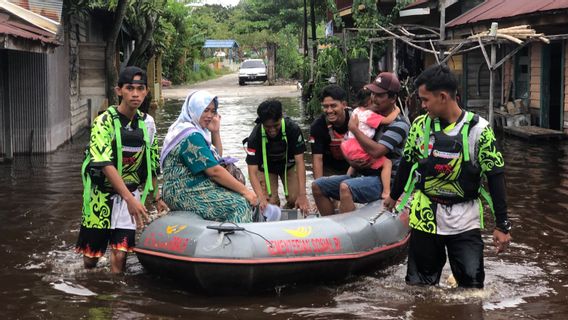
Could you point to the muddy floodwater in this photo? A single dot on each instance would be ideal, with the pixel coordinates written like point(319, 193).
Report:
point(42, 278)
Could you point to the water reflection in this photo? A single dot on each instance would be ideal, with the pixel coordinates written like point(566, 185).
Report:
point(42, 278)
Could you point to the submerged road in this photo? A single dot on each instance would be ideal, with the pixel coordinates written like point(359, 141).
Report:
point(228, 86)
point(41, 277)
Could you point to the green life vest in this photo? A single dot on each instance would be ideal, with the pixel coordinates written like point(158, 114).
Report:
point(446, 174)
point(86, 177)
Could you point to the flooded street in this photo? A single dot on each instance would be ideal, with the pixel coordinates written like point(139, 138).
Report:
point(42, 278)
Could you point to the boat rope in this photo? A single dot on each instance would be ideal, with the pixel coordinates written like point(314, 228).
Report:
point(261, 236)
point(227, 230)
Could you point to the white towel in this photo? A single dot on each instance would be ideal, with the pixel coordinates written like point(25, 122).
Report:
point(272, 213)
point(120, 218)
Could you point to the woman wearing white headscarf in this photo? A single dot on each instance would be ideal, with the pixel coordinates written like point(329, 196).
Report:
point(193, 179)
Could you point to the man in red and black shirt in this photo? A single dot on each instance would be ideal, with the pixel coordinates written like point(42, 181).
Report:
point(327, 131)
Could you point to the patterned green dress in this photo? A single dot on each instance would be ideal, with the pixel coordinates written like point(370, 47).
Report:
point(188, 188)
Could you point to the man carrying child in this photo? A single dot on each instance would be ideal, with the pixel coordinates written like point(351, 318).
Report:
point(362, 184)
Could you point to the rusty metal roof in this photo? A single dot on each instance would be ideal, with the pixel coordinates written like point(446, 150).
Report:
point(51, 9)
point(498, 9)
point(29, 25)
point(20, 30)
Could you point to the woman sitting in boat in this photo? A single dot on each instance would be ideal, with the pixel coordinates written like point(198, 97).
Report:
point(193, 178)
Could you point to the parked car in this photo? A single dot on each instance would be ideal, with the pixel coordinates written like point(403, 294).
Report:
point(252, 70)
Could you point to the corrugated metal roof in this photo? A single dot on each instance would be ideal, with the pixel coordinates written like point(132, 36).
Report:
point(29, 17)
point(229, 43)
point(50, 9)
point(21, 30)
point(497, 9)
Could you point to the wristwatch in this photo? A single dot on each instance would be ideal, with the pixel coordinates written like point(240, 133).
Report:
point(504, 226)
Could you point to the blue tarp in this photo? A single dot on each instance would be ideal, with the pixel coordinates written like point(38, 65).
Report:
point(229, 43)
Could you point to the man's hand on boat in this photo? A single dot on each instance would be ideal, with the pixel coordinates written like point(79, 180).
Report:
point(162, 207)
point(302, 203)
point(137, 211)
point(389, 203)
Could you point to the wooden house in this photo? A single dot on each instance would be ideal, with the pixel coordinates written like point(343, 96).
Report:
point(533, 74)
point(538, 73)
point(52, 73)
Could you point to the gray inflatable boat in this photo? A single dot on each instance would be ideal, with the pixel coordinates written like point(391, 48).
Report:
point(229, 258)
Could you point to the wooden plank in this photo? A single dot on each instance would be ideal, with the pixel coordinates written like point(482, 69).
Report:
point(534, 132)
point(92, 82)
point(91, 64)
point(88, 91)
point(92, 55)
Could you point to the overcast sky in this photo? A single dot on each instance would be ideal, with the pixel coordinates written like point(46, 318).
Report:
point(222, 2)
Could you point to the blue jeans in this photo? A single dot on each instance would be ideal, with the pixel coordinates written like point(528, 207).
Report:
point(364, 189)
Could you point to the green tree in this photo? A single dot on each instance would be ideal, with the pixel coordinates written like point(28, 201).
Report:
point(185, 43)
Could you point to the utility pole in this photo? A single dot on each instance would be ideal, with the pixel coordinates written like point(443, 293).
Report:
point(314, 42)
point(442, 7)
point(305, 28)
point(313, 20)
point(492, 32)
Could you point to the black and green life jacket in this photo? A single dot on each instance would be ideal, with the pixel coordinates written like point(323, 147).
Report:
point(90, 176)
point(279, 156)
point(447, 175)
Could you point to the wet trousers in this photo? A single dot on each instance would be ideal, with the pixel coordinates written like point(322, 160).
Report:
point(427, 257)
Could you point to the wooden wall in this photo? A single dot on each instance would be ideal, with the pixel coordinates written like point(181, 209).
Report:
point(86, 63)
point(508, 76)
point(535, 54)
point(477, 83)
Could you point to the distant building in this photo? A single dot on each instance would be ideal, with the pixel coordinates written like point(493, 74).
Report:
point(227, 51)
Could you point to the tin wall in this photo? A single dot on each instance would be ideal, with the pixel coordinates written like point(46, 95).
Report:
point(4, 126)
point(27, 100)
point(37, 86)
point(58, 97)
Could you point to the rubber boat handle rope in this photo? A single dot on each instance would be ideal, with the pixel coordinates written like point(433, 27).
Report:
point(376, 217)
point(230, 229)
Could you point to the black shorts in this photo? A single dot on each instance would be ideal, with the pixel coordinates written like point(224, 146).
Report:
point(93, 242)
point(427, 257)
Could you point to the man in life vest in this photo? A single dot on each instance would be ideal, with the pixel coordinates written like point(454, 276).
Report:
point(275, 148)
point(118, 173)
point(448, 152)
point(388, 141)
point(328, 130)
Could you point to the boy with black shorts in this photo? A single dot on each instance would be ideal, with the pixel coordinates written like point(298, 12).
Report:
point(119, 171)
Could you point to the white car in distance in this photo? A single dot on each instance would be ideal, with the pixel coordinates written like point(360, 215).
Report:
point(252, 70)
